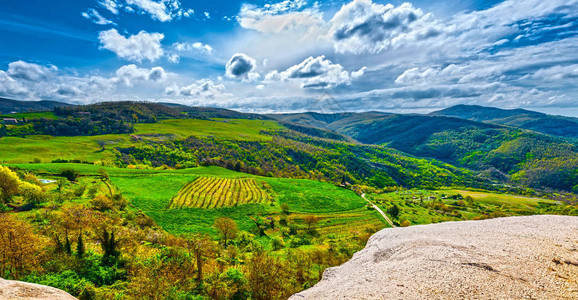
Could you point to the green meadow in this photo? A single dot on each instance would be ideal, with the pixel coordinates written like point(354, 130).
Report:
point(432, 206)
point(89, 148)
point(223, 129)
point(32, 115)
point(340, 211)
point(152, 193)
point(47, 148)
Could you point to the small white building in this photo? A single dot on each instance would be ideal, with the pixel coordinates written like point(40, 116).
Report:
point(10, 121)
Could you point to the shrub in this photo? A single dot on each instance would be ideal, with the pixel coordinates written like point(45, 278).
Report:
point(9, 183)
point(277, 243)
point(32, 193)
point(79, 191)
point(393, 211)
point(69, 174)
point(119, 201)
point(102, 203)
point(295, 242)
point(285, 208)
point(405, 223)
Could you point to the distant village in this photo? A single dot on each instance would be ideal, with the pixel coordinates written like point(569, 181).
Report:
point(10, 120)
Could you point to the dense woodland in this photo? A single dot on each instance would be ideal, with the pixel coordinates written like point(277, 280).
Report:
point(294, 155)
point(507, 154)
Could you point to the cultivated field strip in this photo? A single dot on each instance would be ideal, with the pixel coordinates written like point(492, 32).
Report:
point(343, 223)
point(212, 192)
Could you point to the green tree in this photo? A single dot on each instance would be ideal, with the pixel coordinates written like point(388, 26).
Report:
point(393, 211)
point(67, 245)
point(9, 184)
point(276, 243)
point(70, 174)
point(109, 246)
point(80, 250)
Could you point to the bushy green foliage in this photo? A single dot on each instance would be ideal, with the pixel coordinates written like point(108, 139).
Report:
point(290, 154)
point(69, 174)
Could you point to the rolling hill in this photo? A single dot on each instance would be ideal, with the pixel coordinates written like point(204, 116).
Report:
point(504, 152)
point(531, 120)
point(8, 105)
point(307, 145)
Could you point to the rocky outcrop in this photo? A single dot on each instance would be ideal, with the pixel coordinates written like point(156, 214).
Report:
point(18, 290)
point(533, 257)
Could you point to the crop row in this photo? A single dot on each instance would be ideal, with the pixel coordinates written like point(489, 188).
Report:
point(210, 192)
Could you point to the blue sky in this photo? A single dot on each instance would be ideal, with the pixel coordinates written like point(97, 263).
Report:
point(279, 56)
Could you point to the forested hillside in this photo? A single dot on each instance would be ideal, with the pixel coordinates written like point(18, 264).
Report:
point(9, 105)
point(520, 156)
point(531, 120)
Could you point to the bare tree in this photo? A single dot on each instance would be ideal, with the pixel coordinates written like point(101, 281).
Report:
point(227, 228)
point(310, 221)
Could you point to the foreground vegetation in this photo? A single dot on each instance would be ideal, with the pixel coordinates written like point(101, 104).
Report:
point(102, 233)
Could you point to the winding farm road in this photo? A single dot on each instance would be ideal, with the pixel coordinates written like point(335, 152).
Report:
point(378, 210)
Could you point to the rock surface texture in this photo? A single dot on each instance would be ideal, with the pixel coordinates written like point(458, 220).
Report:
point(18, 290)
point(533, 257)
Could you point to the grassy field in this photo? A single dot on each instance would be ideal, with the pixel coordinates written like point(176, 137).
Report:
point(152, 192)
point(510, 202)
point(427, 206)
point(340, 211)
point(88, 148)
point(48, 148)
point(225, 129)
point(33, 115)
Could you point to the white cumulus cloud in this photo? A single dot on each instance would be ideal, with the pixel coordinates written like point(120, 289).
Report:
point(201, 88)
point(29, 71)
point(139, 47)
point(316, 72)
point(130, 74)
point(187, 49)
point(362, 26)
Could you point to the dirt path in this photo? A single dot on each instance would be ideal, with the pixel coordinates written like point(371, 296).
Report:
point(378, 210)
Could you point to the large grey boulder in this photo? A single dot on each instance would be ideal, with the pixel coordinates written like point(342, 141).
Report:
point(18, 290)
point(533, 257)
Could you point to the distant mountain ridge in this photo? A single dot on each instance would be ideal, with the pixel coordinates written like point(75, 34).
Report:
point(531, 120)
point(526, 147)
point(344, 123)
point(9, 105)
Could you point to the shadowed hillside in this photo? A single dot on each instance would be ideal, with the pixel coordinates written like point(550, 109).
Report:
point(539, 122)
point(8, 105)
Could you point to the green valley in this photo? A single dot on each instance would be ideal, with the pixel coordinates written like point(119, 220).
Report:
point(171, 202)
